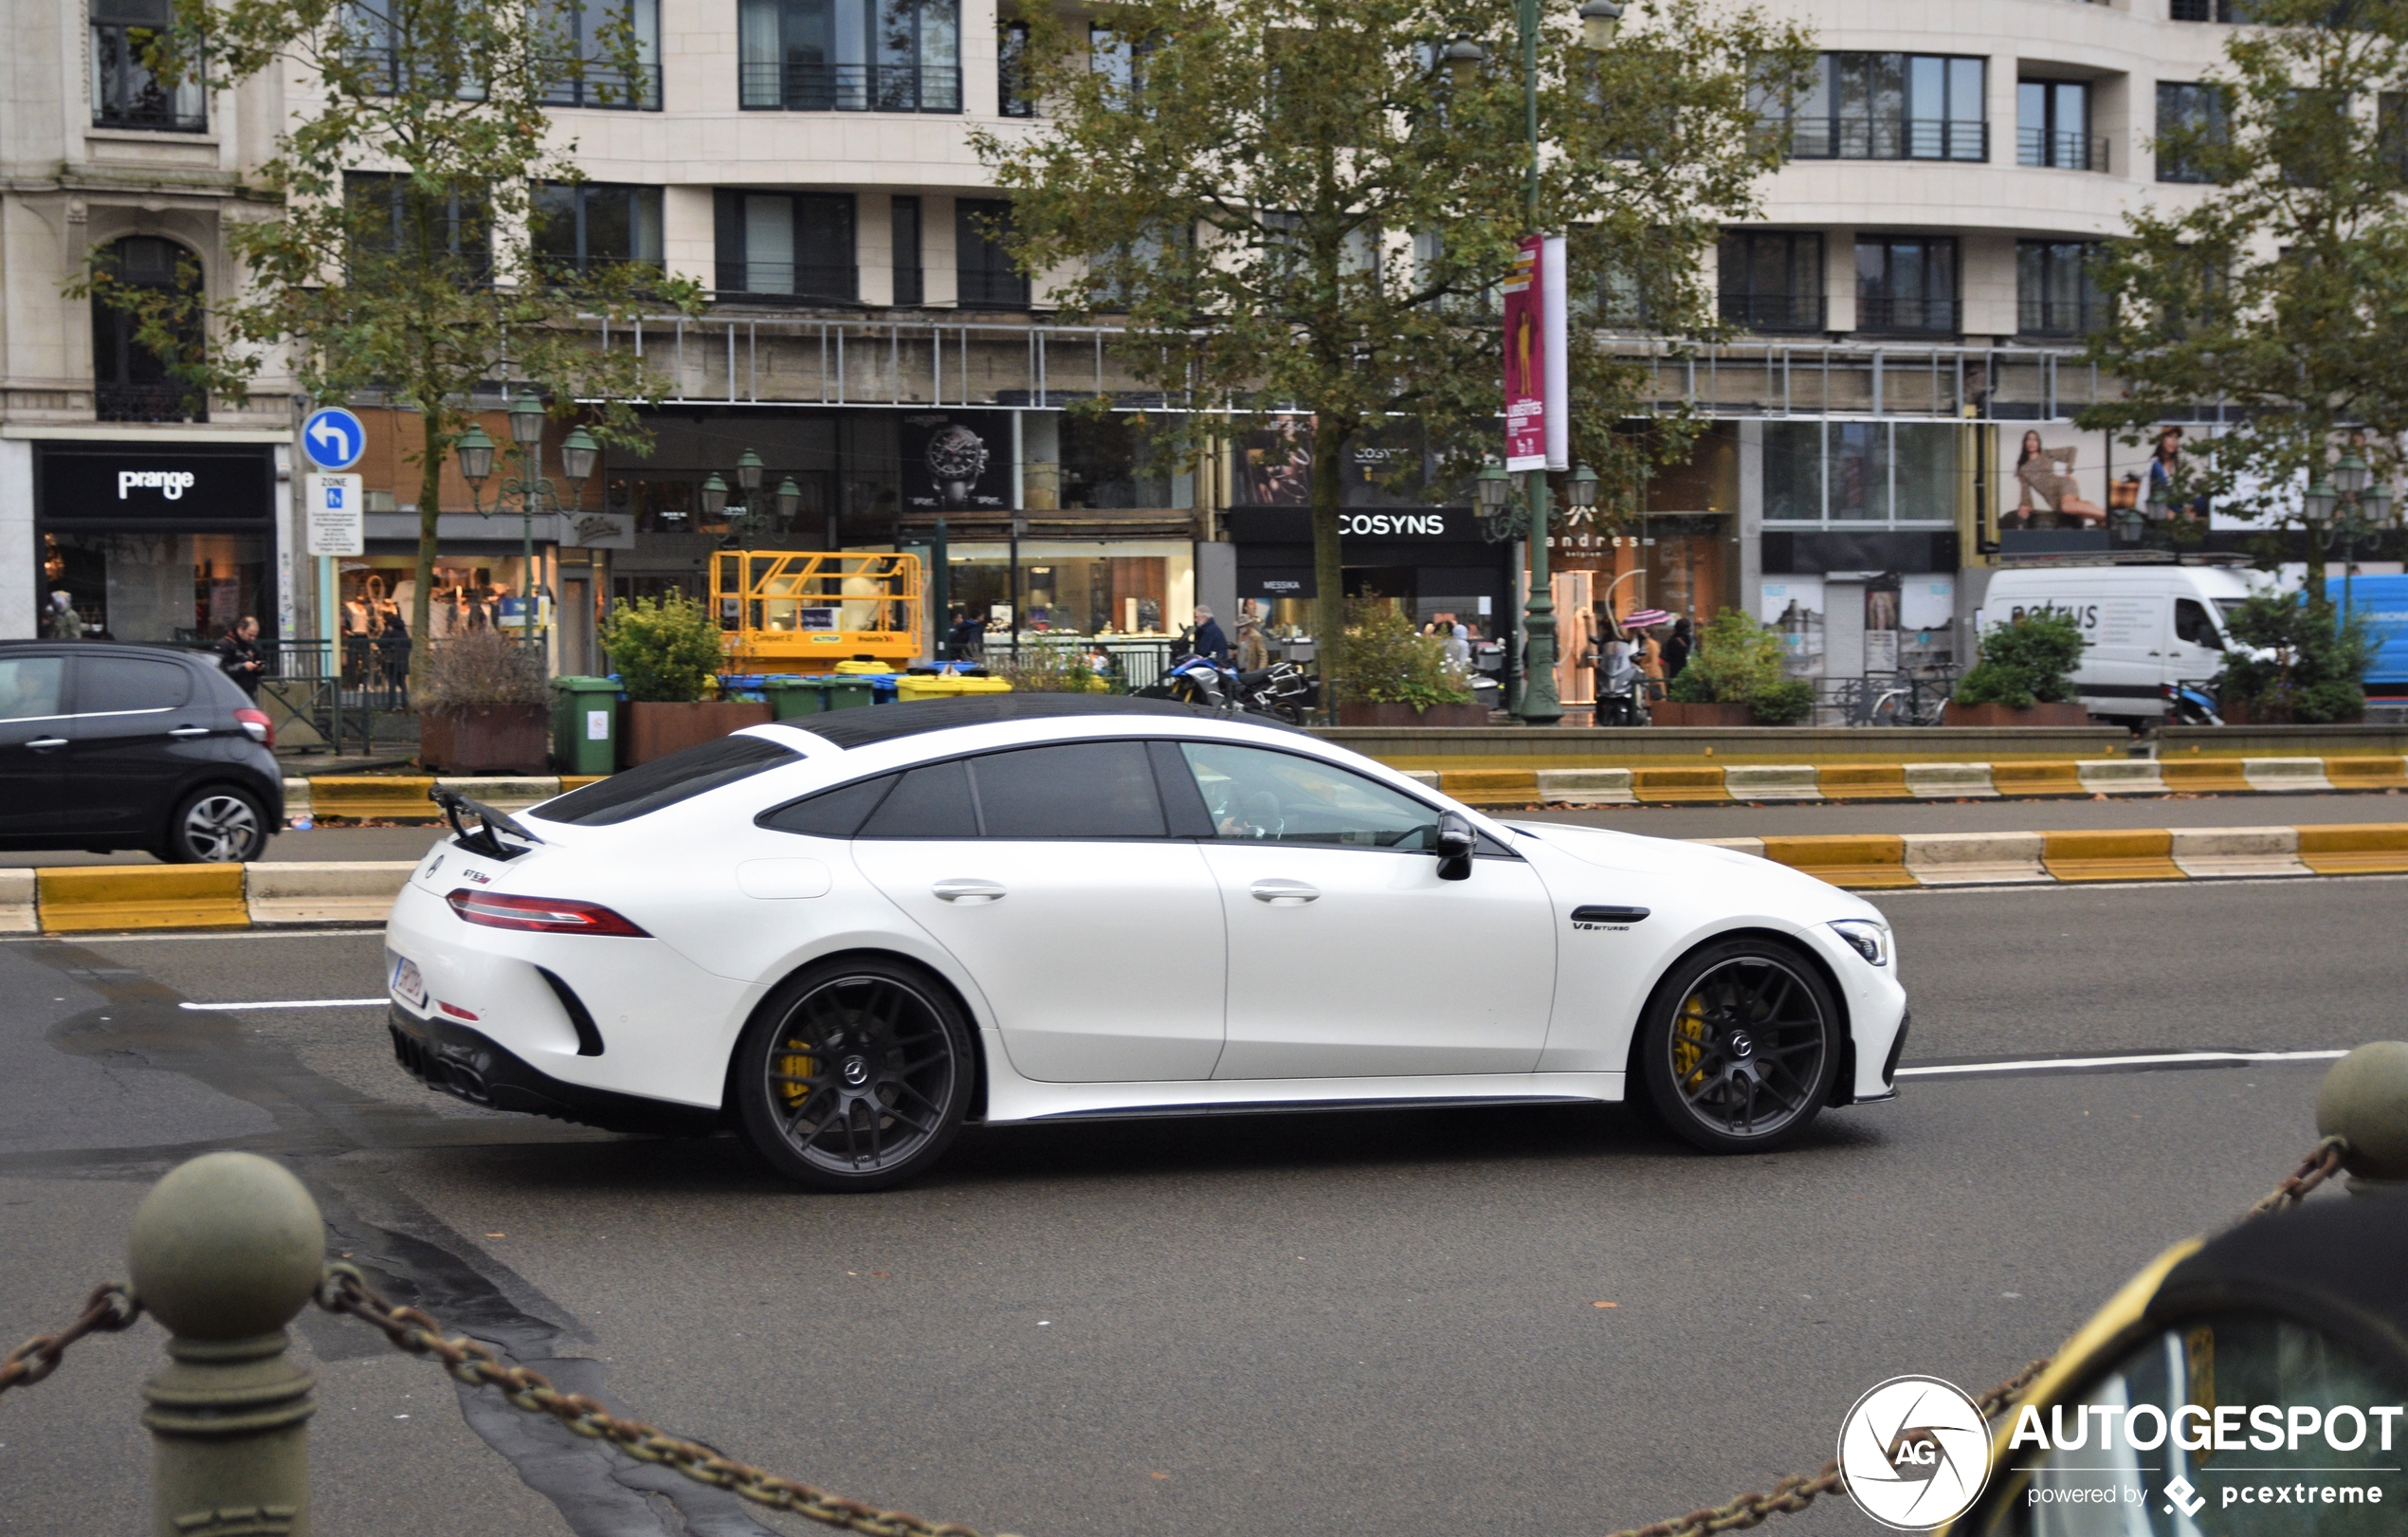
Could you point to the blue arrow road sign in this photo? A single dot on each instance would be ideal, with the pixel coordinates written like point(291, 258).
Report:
point(333, 438)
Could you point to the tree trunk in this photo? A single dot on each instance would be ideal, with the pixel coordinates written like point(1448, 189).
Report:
point(429, 512)
point(1329, 571)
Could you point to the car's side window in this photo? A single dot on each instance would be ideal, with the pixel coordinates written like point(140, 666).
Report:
point(30, 686)
point(832, 813)
point(122, 685)
point(1072, 790)
point(1256, 794)
point(2192, 624)
point(932, 801)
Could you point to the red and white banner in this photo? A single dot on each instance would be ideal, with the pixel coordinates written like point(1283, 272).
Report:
point(1537, 382)
point(1526, 361)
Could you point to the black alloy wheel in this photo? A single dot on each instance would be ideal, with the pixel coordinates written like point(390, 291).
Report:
point(1740, 1047)
point(854, 1075)
point(217, 825)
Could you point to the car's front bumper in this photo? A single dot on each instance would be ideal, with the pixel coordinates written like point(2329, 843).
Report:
point(456, 1060)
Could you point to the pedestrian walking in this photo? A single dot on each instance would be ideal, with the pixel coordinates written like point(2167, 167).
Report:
point(239, 657)
point(61, 621)
point(1676, 649)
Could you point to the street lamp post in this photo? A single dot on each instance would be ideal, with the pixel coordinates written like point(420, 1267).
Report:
point(1540, 705)
point(2354, 505)
point(475, 452)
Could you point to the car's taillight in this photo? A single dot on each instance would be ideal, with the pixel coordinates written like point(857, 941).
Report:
point(540, 915)
point(256, 725)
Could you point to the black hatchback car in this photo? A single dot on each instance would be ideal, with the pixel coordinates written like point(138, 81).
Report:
point(105, 747)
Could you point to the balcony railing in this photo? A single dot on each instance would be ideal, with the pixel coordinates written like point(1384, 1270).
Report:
point(1897, 138)
point(2064, 152)
point(604, 86)
point(787, 283)
point(1907, 316)
point(2059, 317)
point(1774, 312)
point(794, 86)
point(147, 403)
point(978, 288)
point(126, 95)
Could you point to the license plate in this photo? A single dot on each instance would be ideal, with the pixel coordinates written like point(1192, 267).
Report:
point(407, 984)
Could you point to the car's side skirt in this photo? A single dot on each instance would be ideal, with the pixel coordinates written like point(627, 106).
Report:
point(1027, 1102)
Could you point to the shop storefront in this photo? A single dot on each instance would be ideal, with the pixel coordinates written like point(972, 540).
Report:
point(156, 543)
point(1432, 563)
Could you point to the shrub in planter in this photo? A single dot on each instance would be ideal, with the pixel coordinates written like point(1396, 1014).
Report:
point(1789, 702)
point(1387, 662)
point(666, 653)
point(485, 707)
point(2317, 657)
point(2025, 663)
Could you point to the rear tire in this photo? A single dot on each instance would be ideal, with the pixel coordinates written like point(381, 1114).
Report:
point(1740, 1047)
point(216, 825)
point(855, 1075)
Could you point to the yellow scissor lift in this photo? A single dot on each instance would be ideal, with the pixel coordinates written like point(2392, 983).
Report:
point(803, 611)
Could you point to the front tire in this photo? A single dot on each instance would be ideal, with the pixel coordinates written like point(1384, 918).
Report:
point(218, 825)
point(1740, 1047)
point(854, 1075)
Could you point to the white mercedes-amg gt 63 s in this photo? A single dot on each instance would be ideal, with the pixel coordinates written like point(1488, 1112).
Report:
point(847, 941)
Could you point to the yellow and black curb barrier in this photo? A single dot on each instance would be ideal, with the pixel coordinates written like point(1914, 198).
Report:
point(83, 899)
point(402, 797)
point(1755, 782)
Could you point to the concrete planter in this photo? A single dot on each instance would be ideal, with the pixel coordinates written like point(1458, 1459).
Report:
point(1670, 712)
point(485, 739)
point(2006, 715)
point(650, 729)
point(1406, 715)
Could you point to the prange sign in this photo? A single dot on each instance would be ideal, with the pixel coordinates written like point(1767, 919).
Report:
point(154, 485)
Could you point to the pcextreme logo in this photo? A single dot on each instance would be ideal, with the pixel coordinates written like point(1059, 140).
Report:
point(1915, 1452)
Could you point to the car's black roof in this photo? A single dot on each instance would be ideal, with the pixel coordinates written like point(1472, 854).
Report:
point(110, 647)
point(886, 723)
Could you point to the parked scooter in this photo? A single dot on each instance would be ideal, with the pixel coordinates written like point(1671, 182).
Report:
point(2187, 704)
point(1621, 687)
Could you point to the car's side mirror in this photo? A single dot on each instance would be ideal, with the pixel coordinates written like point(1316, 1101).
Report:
point(1455, 843)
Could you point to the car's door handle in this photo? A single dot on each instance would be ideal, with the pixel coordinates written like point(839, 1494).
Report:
point(42, 744)
point(184, 731)
point(973, 892)
point(1276, 891)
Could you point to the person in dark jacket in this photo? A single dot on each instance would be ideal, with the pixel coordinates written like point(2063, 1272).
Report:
point(238, 655)
point(1675, 650)
point(1208, 641)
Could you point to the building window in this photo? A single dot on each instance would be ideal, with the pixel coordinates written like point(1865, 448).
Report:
point(986, 276)
point(127, 93)
point(1888, 107)
point(597, 38)
point(1012, 85)
point(2190, 115)
point(1860, 473)
point(2208, 10)
point(787, 245)
point(910, 288)
point(849, 55)
point(581, 226)
point(1906, 285)
point(131, 382)
point(2052, 126)
point(2391, 130)
point(1771, 280)
point(2056, 288)
point(396, 219)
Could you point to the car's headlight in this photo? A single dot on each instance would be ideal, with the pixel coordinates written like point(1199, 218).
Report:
point(1865, 936)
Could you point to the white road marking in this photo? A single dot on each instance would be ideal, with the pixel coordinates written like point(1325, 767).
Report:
point(287, 1003)
point(2147, 1059)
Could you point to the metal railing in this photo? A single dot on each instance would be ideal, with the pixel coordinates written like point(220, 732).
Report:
point(801, 282)
point(793, 85)
point(1774, 312)
point(1894, 138)
point(147, 403)
point(1907, 317)
point(984, 288)
point(2063, 152)
point(125, 94)
point(2059, 317)
point(606, 85)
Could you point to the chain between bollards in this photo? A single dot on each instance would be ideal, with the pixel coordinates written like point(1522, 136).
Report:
point(110, 1307)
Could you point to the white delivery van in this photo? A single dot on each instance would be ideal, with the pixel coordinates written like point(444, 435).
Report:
point(2144, 626)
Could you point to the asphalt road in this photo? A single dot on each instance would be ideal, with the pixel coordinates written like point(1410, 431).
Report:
point(1282, 1323)
point(1706, 821)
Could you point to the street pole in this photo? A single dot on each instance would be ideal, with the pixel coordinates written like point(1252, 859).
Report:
point(1540, 704)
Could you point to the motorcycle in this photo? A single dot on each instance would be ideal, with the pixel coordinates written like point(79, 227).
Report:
point(1621, 698)
point(1281, 690)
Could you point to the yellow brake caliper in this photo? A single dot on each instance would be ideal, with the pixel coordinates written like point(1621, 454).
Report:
point(794, 1068)
point(1688, 1042)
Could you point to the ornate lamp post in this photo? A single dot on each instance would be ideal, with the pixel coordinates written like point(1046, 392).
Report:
point(1540, 705)
point(475, 452)
point(2354, 505)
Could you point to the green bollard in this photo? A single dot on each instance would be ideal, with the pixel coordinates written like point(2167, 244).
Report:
point(2364, 1098)
point(224, 1252)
